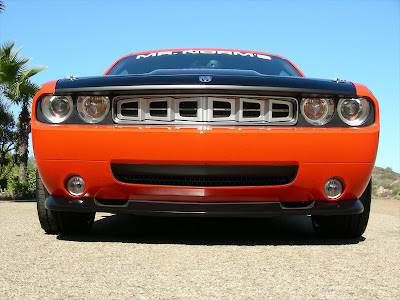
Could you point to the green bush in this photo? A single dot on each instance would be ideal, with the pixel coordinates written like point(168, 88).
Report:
point(22, 191)
point(31, 178)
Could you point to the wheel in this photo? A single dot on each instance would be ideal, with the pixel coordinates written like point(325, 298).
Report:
point(56, 222)
point(346, 226)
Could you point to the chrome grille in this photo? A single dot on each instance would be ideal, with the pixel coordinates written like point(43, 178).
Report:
point(209, 109)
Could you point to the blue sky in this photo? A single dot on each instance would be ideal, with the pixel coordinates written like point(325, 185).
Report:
point(355, 40)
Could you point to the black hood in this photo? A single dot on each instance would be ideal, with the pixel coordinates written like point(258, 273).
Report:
point(192, 79)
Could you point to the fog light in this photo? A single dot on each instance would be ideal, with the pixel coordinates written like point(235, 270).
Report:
point(76, 185)
point(333, 188)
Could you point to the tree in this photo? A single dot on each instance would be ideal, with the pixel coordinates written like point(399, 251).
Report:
point(2, 7)
point(8, 137)
point(16, 85)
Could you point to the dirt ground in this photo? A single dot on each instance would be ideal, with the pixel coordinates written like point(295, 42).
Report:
point(153, 258)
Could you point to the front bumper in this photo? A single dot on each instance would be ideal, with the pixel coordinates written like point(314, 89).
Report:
point(319, 154)
point(240, 209)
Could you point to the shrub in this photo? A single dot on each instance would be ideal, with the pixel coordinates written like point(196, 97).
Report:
point(21, 191)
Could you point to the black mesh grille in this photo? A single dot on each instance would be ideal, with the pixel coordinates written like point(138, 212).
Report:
point(205, 181)
point(204, 175)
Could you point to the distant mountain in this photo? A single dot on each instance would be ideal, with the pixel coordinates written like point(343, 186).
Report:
point(385, 183)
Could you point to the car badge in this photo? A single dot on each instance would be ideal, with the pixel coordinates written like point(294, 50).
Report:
point(72, 77)
point(205, 78)
point(338, 80)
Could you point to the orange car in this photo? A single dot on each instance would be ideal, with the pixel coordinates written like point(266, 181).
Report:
point(205, 132)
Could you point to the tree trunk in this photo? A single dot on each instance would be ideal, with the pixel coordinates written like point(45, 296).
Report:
point(24, 130)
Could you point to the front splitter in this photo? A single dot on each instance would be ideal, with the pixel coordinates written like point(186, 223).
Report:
point(196, 209)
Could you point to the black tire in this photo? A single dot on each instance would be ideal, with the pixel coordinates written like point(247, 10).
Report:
point(346, 226)
point(58, 222)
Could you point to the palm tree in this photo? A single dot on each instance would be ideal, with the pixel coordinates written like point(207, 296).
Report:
point(2, 7)
point(15, 84)
point(8, 137)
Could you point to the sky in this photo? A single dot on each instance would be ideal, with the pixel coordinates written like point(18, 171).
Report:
point(354, 40)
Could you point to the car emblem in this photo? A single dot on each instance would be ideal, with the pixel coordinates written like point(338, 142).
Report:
point(338, 80)
point(205, 78)
point(72, 77)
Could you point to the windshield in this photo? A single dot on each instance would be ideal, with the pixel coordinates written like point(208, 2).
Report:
point(204, 59)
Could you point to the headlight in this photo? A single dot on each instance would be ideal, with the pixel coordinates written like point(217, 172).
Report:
point(317, 111)
point(354, 111)
point(93, 109)
point(57, 109)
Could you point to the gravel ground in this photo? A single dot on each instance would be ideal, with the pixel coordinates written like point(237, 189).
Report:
point(152, 258)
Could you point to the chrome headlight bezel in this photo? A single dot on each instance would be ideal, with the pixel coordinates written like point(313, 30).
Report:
point(362, 115)
point(49, 112)
point(82, 108)
point(327, 114)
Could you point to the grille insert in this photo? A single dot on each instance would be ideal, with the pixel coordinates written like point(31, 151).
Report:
point(251, 110)
point(280, 110)
point(204, 175)
point(195, 109)
point(130, 109)
point(221, 109)
point(188, 109)
point(205, 181)
point(159, 109)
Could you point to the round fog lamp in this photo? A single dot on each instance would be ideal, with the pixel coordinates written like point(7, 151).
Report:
point(76, 185)
point(333, 188)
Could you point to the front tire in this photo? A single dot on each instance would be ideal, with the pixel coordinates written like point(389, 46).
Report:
point(346, 226)
point(58, 222)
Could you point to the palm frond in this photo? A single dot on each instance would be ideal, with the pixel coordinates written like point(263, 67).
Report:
point(32, 71)
point(15, 74)
point(6, 48)
point(2, 7)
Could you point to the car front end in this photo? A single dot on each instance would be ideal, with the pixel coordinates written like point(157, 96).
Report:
point(205, 141)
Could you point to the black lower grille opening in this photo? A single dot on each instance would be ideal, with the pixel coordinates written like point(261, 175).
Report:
point(204, 175)
point(204, 181)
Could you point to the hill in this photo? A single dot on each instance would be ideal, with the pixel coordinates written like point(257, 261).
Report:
point(385, 183)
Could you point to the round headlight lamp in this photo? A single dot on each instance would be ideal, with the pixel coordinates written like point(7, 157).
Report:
point(93, 109)
point(317, 111)
point(353, 111)
point(57, 109)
